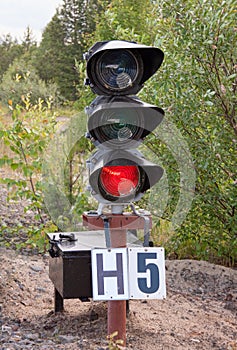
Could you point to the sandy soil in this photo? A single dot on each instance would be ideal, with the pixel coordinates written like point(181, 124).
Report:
point(200, 311)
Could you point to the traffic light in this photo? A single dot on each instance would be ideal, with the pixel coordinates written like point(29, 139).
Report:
point(120, 67)
point(119, 121)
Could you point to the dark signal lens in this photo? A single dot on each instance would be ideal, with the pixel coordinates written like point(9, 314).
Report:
point(119, 126)
point(118, 69)
point(120, 181)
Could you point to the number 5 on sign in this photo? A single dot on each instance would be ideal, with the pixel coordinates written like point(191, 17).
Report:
point(146, 273)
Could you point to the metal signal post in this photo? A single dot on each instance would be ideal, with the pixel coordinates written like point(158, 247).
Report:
point(118, 122)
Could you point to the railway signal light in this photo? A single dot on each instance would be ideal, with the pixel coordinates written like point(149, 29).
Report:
point(119, 121)
point(121, 67)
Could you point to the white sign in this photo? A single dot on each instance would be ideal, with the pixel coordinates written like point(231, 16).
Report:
point(110, 274)
point(128, 273)
point(146, 273)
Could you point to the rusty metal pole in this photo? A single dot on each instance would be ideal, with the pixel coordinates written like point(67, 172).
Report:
point(118, 239)
point(117, 308)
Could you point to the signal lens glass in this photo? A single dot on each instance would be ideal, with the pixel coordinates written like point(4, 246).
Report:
point(118, 127)
point(117, 70)
point(120, 181)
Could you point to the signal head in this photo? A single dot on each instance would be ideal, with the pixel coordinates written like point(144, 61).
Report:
point(121, 121)
point(121, 67)
point(121, 176)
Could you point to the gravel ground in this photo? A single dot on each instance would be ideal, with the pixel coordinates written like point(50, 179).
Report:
point(200, 311)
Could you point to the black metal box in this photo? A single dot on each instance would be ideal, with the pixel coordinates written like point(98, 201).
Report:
point(70, 261)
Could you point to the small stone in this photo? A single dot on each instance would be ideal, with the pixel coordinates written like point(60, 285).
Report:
point(56, 331)
point(195, 340)
point(50, 342)
point(32, 336)
point(25, 342)
point(6, 329)
point(15, 327)
point(66, 339)
point(36, 268)
point(40, 289)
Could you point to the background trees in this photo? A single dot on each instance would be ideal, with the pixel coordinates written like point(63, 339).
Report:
point(9, 50)
point(22, 82)
point(196, 86)
point(63, 43)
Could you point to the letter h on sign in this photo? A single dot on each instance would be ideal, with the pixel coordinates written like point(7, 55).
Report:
point(116, 273)
point(110, 274)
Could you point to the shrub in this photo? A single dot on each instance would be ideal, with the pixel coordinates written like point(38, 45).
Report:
point(21, 80)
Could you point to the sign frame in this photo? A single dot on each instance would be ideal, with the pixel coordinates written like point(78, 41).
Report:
point(110, 274)
point(128, 273)
point(146, 273)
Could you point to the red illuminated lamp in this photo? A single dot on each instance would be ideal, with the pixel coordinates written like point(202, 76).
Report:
point(121, 176)
point(120, 181)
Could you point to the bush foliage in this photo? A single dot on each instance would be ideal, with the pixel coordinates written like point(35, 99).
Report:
point(196, 86)
point(21, 82)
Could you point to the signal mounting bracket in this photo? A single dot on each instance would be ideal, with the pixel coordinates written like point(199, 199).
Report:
point(126, 220)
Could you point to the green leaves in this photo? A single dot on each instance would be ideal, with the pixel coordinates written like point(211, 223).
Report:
point(21, 85)
point(196, 85)
point(25, 138)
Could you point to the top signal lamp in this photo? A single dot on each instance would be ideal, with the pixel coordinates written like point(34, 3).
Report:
point(120, 67)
